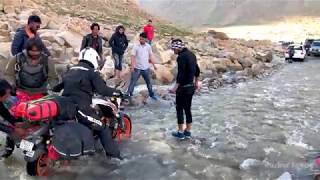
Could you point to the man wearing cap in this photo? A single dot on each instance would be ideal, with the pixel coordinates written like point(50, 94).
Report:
point(187, 83)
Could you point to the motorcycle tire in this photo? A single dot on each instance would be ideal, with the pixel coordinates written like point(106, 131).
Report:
point(39, 167)
point(124, 133)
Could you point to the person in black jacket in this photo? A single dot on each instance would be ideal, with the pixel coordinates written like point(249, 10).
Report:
point(80, 83)
point(119, 44)
point(93, 40)
point(187, 83)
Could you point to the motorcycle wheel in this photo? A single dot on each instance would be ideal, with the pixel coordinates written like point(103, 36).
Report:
point(39, 167)
point(126, 133)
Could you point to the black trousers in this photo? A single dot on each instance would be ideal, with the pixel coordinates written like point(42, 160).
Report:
point(103, 132)
point(183, 104)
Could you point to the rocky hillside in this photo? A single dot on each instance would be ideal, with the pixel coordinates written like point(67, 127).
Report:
point(230, 12)
point(62, 32)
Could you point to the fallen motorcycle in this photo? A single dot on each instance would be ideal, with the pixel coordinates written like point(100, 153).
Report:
point(41, 120)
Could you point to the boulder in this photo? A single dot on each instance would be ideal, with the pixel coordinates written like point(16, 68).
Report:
point(218, 35)
point(264, 57)
point(108, 68)
point(166, 56)
point(5, 39)
point(51, 35)
point(235, 67)
point(220, 68)
point(72, 39)
point(246, 62)
point(163, 74)
point(5, 50)
point(256, 69)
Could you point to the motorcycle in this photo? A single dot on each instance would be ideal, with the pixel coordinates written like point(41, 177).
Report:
point(37, 143)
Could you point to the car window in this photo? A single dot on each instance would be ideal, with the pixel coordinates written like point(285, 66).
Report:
point(316, 44)
point(298, 48)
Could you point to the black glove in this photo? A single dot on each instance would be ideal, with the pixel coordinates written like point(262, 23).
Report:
point(14, 91)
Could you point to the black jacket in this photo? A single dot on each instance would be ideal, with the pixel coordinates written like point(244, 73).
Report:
point(118, 43)
point(88, 40)
point(187, 67)
point(20, 40)
point(81, 82)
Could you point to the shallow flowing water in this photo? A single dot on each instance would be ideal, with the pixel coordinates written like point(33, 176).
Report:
point(256, 130)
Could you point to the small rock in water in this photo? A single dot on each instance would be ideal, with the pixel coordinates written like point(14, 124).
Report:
point(248, 163)
point(285, 176)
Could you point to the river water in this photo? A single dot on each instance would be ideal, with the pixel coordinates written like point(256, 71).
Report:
point(255, 130)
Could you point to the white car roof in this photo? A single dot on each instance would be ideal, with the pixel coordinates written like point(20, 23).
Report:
point(296, 45)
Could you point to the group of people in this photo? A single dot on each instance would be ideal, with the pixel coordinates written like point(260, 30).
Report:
point(31, 73)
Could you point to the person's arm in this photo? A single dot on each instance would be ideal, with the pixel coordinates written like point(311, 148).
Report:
point(133, 58)
point(53, 78)
point(100, 48)
point(5, 114)
point(126, 43)
point(197, 75)
point(180, 76)
point(10, 71)
point(152, 59)
point(100, 85)
point(83, 43)
point(111, 41)
point(17, 43)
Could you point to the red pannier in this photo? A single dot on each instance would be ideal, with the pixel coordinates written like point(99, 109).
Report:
point(40, 110)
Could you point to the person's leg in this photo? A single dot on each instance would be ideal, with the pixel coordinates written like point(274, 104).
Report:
point(116, 63)
point(120, 66)
point(110, 145)
point(180, 118)
point(134, 78)
point(146, 77)
point(187, 110)
point(9, 148)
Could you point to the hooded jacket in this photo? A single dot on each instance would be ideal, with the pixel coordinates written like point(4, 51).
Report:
point(118, 42)
point(81, 82)
point(20, 39)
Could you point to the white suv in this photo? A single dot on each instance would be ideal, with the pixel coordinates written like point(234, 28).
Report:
point(299, 52)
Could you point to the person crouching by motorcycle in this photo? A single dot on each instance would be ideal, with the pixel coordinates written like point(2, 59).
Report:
point(30, 71)
point(5, 95)
point(80, 83)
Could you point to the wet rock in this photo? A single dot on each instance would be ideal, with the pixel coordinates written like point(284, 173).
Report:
point(285, 176)
point(220, 68)
point(235, 67)
point(249, 163)
point(264, 57)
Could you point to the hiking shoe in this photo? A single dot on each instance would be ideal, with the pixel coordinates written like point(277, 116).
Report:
point(187, 134)
point(178, 135)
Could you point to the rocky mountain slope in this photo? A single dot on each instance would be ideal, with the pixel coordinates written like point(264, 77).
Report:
point(230, 12)
point(65, 22)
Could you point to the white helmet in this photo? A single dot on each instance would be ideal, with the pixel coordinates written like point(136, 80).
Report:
point(91, 55)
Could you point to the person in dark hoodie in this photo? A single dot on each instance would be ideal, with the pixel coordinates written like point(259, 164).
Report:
point(80, 83)
point(187, 83)
point(26, 32)
point(119, 44)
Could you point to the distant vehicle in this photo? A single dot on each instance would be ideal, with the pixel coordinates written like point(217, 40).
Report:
point(307, 45)
point(295, 51)
point(315, 48)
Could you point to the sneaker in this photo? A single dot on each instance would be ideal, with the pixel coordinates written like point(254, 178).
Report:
point(178, 135)
point(187, 134)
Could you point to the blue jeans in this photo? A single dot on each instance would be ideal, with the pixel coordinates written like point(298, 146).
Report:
point(135, 77)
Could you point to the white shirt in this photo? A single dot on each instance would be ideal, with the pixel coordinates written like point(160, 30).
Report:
point(142, 54)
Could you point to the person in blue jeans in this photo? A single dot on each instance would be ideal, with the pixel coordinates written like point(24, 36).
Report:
point(141, 58)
